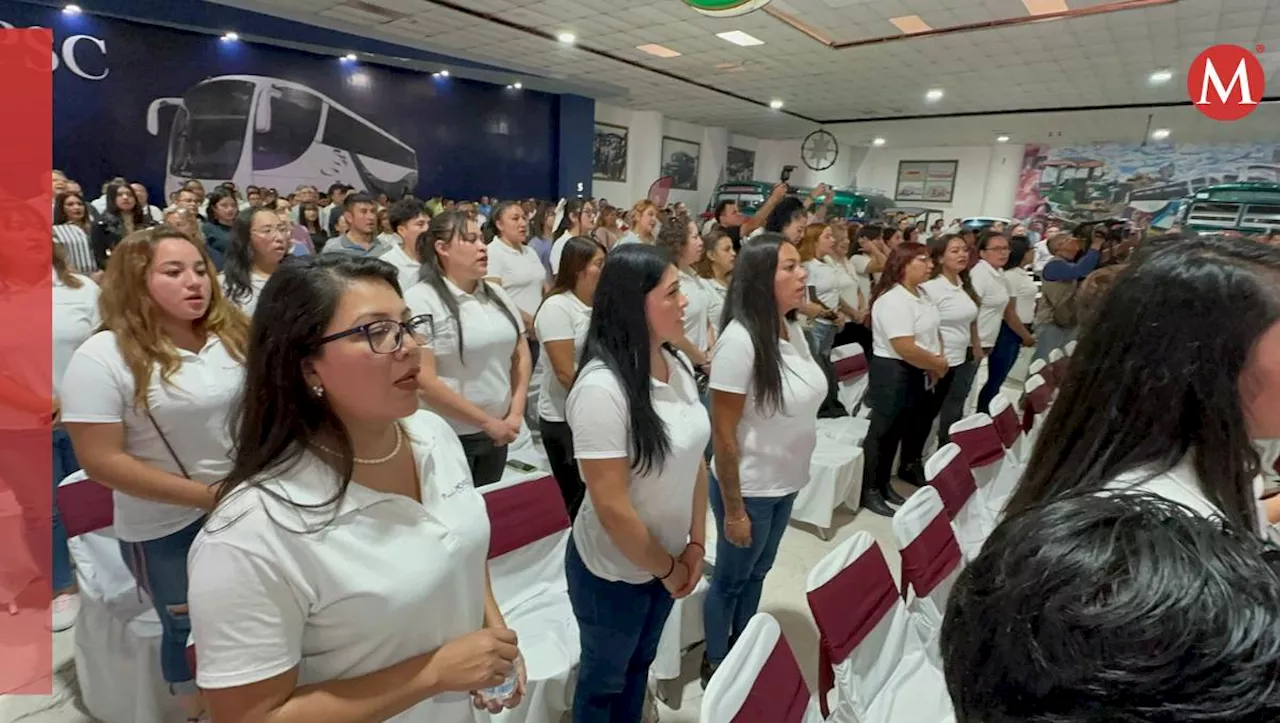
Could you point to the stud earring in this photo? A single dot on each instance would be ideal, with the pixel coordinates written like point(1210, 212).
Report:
point(317, 391)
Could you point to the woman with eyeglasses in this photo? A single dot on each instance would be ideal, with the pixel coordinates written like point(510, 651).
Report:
point(341, 575)
point(562, 323)
point(147, 403)
point(579, 220)
point(639, 433)
point(259, 242)
point(998, 305)
point(476, 372)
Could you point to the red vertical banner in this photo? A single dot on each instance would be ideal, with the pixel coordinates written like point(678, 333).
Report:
point(26, 361)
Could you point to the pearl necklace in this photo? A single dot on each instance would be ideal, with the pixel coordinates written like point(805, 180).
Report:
point(360, 460)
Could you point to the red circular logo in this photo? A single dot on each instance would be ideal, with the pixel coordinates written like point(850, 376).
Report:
point(1226, 82)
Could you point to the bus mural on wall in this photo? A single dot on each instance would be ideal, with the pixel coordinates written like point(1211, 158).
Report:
point(255, 130)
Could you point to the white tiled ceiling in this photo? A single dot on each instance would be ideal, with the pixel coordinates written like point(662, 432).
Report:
point(1098, 60)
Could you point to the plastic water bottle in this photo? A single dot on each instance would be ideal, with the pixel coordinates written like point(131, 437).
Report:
point(501, 692)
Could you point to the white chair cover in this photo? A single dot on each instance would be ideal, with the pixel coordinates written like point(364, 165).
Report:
point(117, 633)
point(835, 472)
point(1036, 367)
point(931, 561)
point(530, 529)
point(1070, 348)
point(1009, 427)
point(996, 472)
point(1036, 400)
point(682, 631)
point(1056, 355)
point(870, 654)
point(759, 681)
point(850, 363)
point(948, 473)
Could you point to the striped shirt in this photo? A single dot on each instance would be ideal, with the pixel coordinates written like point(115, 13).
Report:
point(79, 251)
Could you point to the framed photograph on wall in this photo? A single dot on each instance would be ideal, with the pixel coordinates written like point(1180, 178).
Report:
point(609, 153)
point(740, 165)
point(926, 181)
point(680, 161)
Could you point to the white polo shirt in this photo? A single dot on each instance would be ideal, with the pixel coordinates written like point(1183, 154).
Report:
point(822, 277)
point(846, 281)
point(956, 312)
point(75, 319)
point(1181, 484)
point(386, 578)
point(563, 317)
point(1023, 289)
point(697, 315)
point(774, 449)
point(557, 250)
point(192, 410)
point(992, 288)
point(256, 285)
point(898, 313)
point(408, 270)
point(859, 263)
point(600, 418)
point(716, 294)
point(521, 272)
point(481, 372)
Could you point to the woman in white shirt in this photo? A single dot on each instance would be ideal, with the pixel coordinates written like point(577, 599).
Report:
point(639, 432)
point(408, 219)
point(342, 575)
point(766, 389)
point(715, 268)
point(1022, 291)
point(681, 240)
point(75, 319)
point(905, 364)
point(1171, 383)
point(579, 219)
point(259, 242)
point(644, 224)
point(147, 403)
point(957, 303)
point(516, 267)
point(562, 323)
point(997, 306)
point(476, 372)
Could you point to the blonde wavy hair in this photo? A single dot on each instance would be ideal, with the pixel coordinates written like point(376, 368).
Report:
point(128, 310)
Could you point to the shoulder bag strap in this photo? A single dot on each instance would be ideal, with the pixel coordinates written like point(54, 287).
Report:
point(168, 446)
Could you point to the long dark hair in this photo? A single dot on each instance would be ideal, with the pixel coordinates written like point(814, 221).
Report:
point(1157, 374)
point(214, 197)
point(539, 221)
point(491, 225)
point(894, 266)
point(112, 216)
point(572, 207)
point(237, 265)
point(751, 301)
point(60, 210)
point(312, 227)
point(278, 416)
point(619, 337)
point(446, 226)
point(576, 256)
point(938, 248)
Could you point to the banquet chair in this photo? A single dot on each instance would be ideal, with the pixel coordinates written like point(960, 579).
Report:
point(1009, 427)
point(873, 666)
point(835, 474)
point(996, 472)
point(948, 473)
point(931, 561)
point(850, 361)
point(759, 681)
point(117, 632)
point(1057, 368)
point(1036, 400)
point(1070, 347)
point(1037, 367)
point(529, 529)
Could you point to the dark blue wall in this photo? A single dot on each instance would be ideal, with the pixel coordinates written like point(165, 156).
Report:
point(471, 138)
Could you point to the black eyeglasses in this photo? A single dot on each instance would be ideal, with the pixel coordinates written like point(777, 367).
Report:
point(386, 336)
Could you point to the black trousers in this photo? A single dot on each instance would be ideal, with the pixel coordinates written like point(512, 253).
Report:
point(557, 440)
point(486, 459)
point(902, 411)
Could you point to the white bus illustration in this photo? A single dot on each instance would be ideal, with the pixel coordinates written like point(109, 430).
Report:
point(260, 131)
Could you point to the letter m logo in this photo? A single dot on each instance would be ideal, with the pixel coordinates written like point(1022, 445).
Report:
point(1226, 82)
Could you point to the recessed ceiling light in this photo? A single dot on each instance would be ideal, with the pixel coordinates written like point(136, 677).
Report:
point(1002, 138)
point(934, 95)
point(71, 9)
point(1160, 134)
point(1046, 7)
point(737, 37)
point(440, 74)
point(349, 57)
point(660, 51)
point(567, 38)
point(911, 24)
point(775, 104)
point(1160, 77)
point(231, 37)
point(878, 142)
point(517, 85)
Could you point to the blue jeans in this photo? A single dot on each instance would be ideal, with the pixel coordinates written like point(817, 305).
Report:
point(1050, 337)
point(619, 625)
point(738, 579)
point(160, 567)
point(64, 463)
point(999, 363)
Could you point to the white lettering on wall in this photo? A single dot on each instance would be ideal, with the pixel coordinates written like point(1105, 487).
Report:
point(65, 55)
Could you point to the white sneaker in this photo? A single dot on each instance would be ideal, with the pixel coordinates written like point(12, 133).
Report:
point(66, 608)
